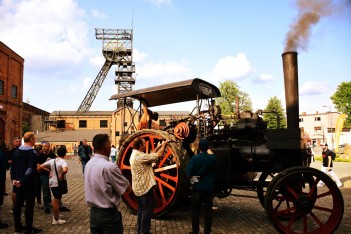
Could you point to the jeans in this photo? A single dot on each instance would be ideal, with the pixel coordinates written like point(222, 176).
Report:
point(332, 174)
point(113, 159)
point(46, 190)
point(145, 208)
point(197, 198)
point(27, 194)
point(84, 162)
point(105, 221)
point(38, 193)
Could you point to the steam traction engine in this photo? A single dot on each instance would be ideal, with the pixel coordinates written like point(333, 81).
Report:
point(287, 190)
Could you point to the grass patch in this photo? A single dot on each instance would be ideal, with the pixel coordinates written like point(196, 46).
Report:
point(337, 159)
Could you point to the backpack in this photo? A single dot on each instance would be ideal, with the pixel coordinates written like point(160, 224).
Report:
point(332, 154)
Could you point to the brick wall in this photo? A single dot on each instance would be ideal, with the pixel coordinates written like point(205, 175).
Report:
point(11, 75)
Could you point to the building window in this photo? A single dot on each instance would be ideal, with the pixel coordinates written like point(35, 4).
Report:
point(103, 123)
point(61, 124)
point(82, 123)
point(1, 87)
point(301, 120)
point(14, 91)
point(317, 129)
point(316, 119)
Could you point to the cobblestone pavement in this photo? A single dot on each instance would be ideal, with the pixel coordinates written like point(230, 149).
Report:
point(234, 214)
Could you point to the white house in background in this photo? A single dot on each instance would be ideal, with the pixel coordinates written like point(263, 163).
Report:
point(320, 127)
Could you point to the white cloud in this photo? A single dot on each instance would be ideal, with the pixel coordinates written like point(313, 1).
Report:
point(313, 88)
point(263, 78)
point(97, 61)
point(47, 34)
point(98, 14)
point(139, 56)
point(159, 69)
point(87, 82)
point(160, 2)
point(232, 67)
point(162, 73)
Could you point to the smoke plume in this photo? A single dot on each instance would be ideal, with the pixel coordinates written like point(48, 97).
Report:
point(310, 13)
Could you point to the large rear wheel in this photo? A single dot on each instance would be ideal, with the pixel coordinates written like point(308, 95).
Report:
point(170, 171)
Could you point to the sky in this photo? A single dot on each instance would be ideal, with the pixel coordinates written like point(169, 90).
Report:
point(176, 40)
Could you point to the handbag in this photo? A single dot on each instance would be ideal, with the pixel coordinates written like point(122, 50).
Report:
point(62, 184)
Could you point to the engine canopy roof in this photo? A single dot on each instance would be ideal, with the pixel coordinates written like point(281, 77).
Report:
point(182, 91)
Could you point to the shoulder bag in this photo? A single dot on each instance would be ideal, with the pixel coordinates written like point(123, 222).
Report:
point(62, 184)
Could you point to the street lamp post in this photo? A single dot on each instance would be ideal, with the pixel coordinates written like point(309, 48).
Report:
point(331, 125)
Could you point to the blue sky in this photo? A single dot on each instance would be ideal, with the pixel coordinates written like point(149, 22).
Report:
point(176, 40)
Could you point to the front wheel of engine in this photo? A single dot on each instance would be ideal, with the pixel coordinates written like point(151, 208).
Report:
point(295, 203)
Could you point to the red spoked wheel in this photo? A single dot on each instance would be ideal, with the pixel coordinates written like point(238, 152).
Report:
point(170, 171)
point(306, 208)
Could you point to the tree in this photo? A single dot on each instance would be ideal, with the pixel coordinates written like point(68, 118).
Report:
point(230, 92)
point(275, 107)
point(342, 101)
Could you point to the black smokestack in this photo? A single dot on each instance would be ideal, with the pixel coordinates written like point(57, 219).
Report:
point(291, 88)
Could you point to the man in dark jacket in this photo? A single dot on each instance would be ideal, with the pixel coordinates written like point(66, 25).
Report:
point(201, 170)
point(24, 178)
point(3, 167)
point(46, 155)
point(84, 153)
point(17, 141)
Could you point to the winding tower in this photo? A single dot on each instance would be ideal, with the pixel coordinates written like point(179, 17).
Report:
point(117, 48)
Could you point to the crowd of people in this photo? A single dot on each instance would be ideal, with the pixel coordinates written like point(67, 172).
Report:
point(36, 172)
point(33, 178)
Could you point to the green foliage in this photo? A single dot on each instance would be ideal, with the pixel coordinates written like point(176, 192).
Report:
point(275, 106)
point(342, 101)
point(25, 127)
point(229, 93)
point(337, 159)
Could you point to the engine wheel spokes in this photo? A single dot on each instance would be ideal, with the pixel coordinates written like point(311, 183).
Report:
point(264, 180)
point(169, 171)
point(294, 203)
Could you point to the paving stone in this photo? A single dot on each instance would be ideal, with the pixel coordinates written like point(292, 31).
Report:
point(233, 214)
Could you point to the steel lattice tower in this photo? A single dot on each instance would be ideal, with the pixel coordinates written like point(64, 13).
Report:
point(117, 48)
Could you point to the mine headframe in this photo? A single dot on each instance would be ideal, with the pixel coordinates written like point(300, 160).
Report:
point(117, 48)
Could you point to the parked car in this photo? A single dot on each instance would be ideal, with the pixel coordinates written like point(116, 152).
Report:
point(341, 148)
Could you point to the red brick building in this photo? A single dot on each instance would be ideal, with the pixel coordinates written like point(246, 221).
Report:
point(11, 94)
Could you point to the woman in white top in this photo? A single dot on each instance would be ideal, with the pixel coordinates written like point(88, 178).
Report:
point(62, 169)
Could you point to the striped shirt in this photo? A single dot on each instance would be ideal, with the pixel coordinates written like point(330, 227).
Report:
point(143, 178)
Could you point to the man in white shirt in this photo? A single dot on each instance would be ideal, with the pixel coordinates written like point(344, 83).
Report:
point(113, 154)
point(104, 186)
